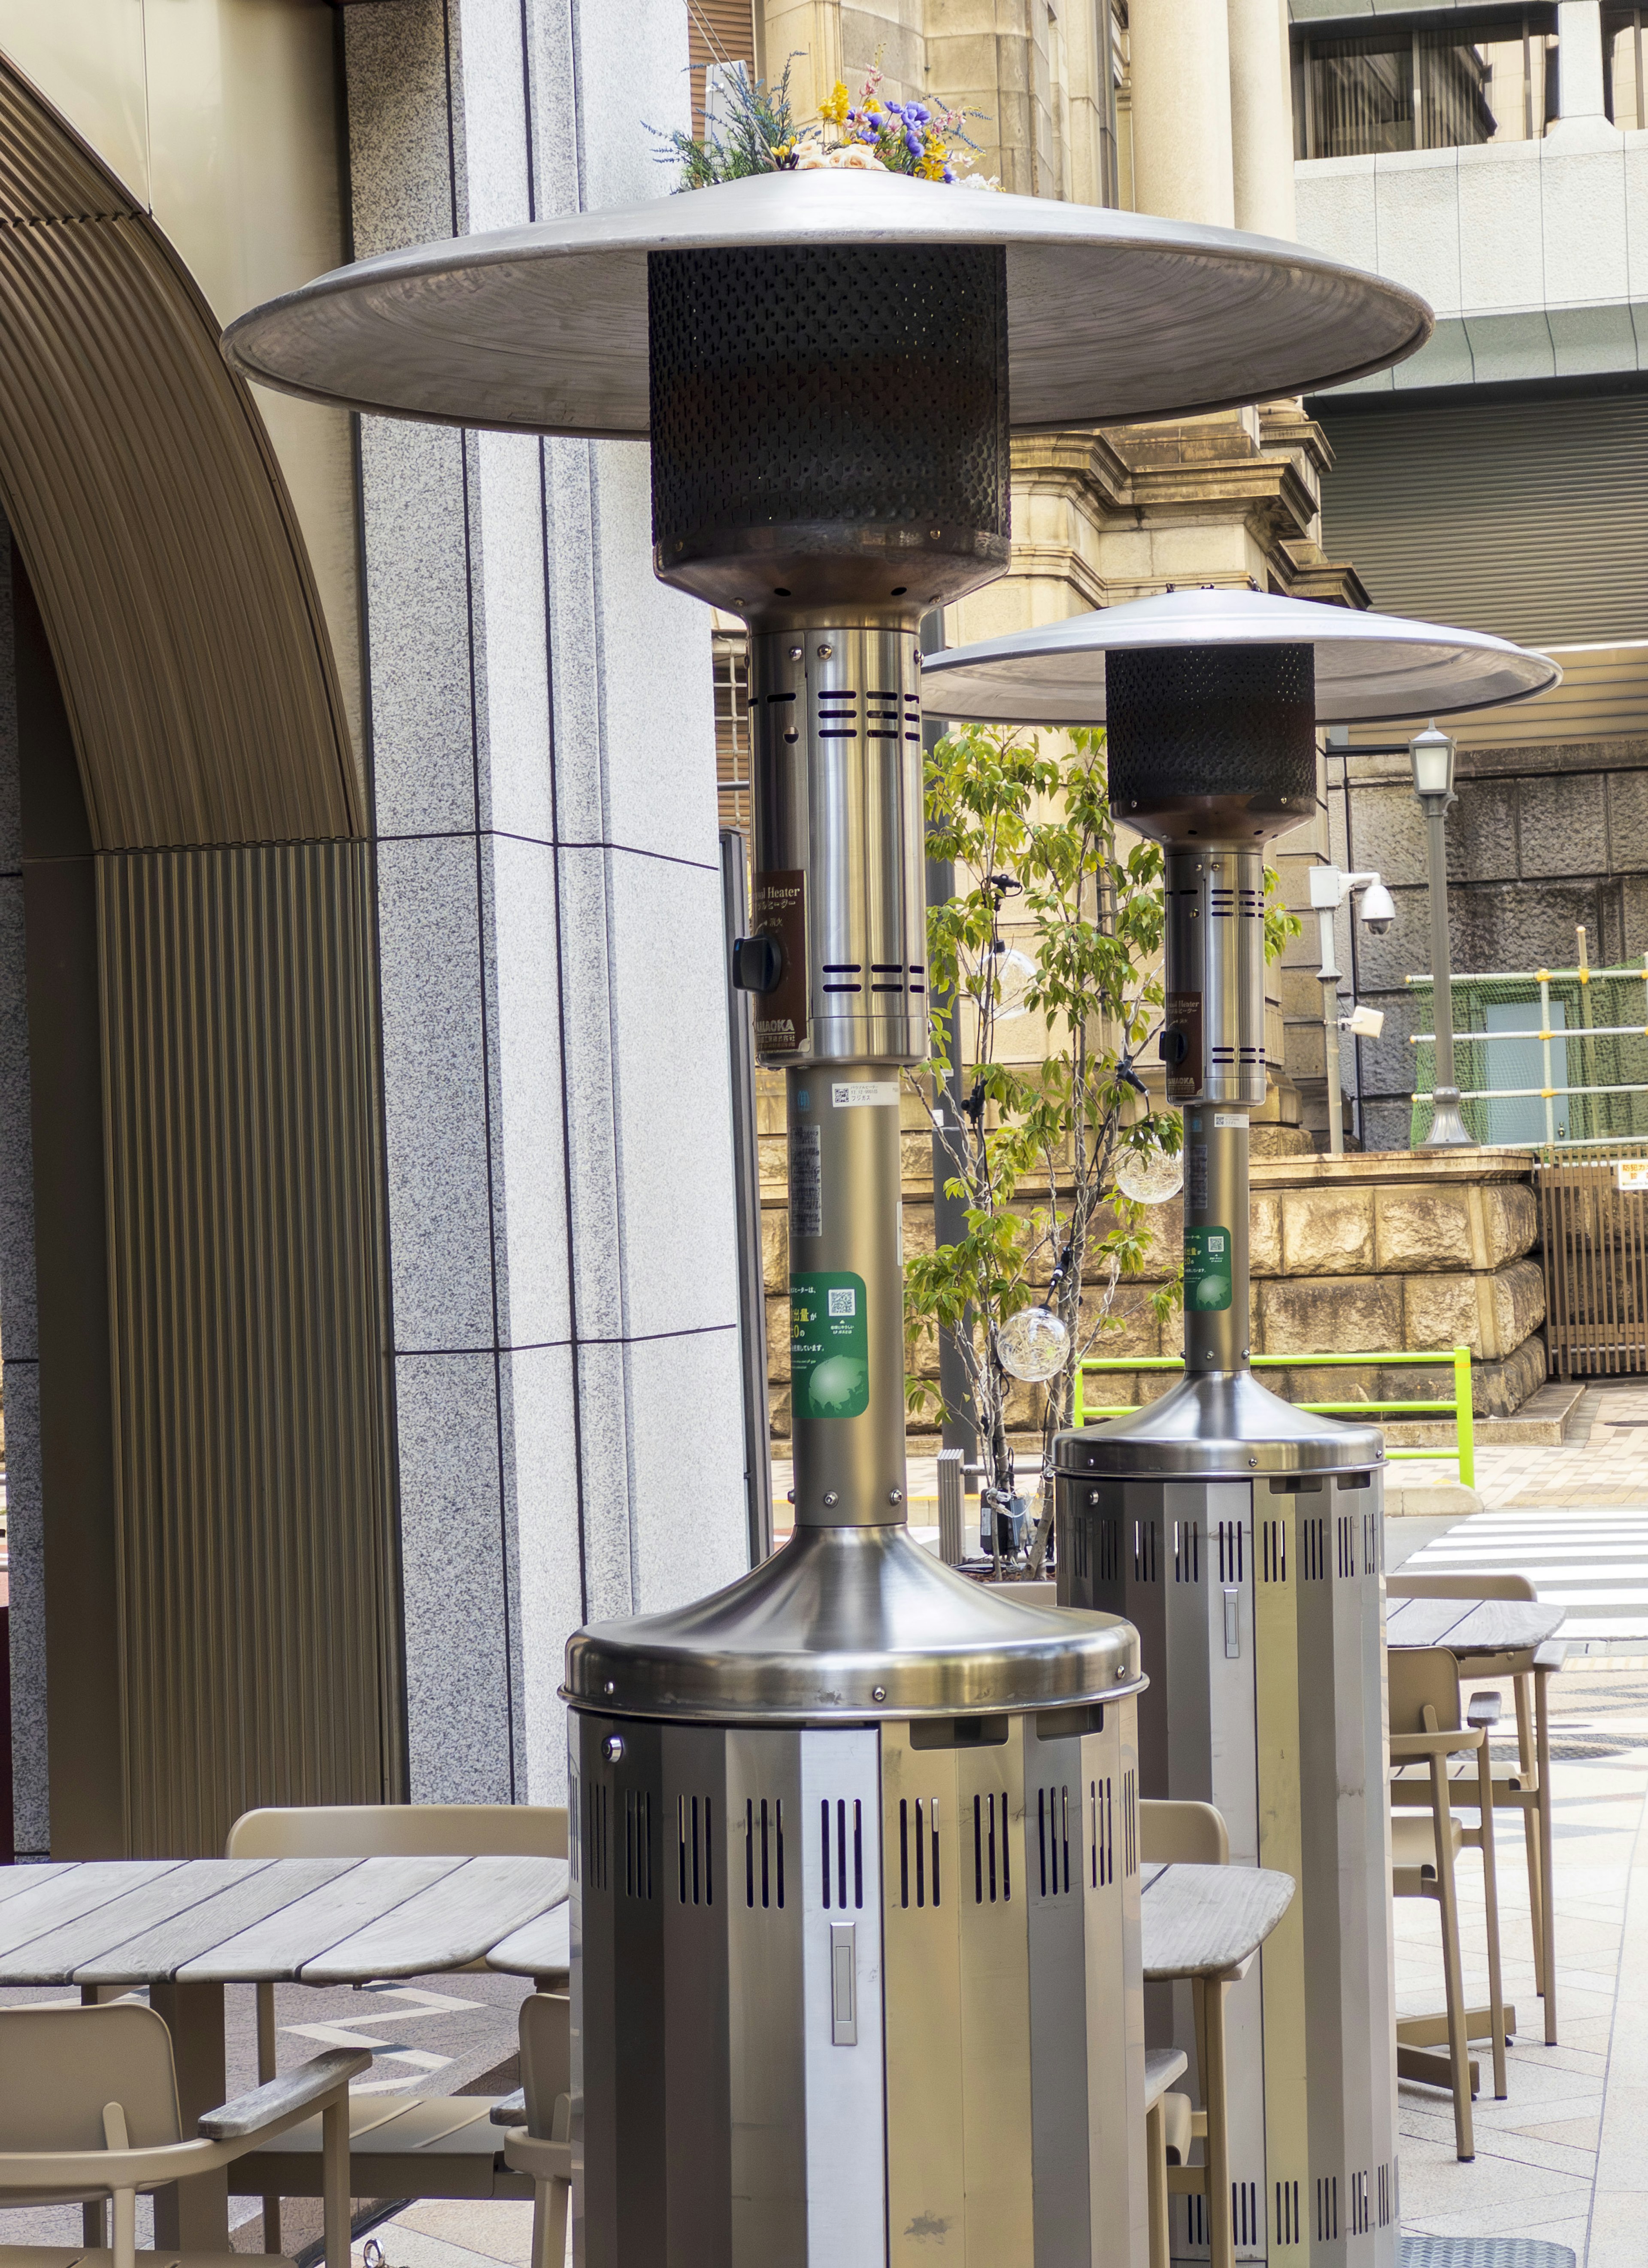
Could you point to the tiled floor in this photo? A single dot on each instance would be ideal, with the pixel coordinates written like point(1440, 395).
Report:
point(1561, 2158)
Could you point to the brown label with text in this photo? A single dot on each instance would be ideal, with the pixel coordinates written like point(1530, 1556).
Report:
point(779, 910)
point(1181, 1048)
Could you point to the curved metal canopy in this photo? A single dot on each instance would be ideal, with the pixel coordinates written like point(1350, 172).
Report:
point(1369, 667)
point(1112, 315)
point(856, 1624)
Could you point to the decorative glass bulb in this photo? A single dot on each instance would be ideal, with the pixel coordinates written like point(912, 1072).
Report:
point(1149, 1177)
point(1033, 1345)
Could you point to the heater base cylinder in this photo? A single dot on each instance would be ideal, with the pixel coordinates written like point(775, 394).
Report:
point(1260, 1607)
point(845, 1996)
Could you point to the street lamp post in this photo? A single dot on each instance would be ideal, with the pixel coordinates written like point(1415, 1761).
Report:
point(1431, 754)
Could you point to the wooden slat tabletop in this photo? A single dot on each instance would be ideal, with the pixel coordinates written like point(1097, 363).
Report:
point(251, 1920)
point(543, 1948)
point(449, 1925)
point(1197, 1921)
point(1472, 1626)
point(155, 1954)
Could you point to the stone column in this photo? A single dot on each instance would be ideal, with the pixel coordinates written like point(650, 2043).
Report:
point(1261, 116)
point(1580, 89)
point(1182, 110)
point(556, 1064)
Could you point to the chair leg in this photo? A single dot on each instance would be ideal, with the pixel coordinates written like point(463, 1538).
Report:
point(1459, 2045)
point(1530, 1830)
point(334, 2182)
point(1156, 2182)
point(266, 2057)
point(550, 2200)
point(1548, 1917)
point(1491, 1894)
point(1221, 2237)
point(125, 2228)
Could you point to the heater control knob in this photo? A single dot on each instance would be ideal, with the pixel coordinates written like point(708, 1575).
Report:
point(1174, 1045)
point(757, 963)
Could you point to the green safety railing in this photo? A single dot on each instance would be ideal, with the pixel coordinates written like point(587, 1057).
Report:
point(1458, 1405)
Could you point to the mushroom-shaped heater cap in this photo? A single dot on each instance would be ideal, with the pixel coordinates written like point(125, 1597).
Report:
point(1111, 315)
point(1367, 666)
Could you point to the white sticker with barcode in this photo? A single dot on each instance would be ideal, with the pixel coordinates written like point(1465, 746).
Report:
point(1233, 1119)
point(854, 1094)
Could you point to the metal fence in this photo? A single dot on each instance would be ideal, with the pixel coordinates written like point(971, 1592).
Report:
point(1593, 1230)
point(1545, 1058)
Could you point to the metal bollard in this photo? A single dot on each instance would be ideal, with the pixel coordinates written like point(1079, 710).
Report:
point(949, 1499)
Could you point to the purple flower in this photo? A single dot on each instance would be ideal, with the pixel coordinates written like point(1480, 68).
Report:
point(896, 108)
point(913, 143)
point(917, 114)
point(948, 173)
point(868, 134)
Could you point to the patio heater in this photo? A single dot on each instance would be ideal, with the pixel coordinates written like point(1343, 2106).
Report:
point(856, 1868)
point(1241, 1535)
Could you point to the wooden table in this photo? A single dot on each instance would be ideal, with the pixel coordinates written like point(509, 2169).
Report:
point(186, 1927)
point(1202, 1923)
point(1503, 1638)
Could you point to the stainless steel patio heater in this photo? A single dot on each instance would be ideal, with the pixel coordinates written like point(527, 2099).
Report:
point(1242, 1536)
point(855, 1973)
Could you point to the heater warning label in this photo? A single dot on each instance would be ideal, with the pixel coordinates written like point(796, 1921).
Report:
point(778, 910)
point(1207, 1269)
point(829, 1345)
point(806, 1183)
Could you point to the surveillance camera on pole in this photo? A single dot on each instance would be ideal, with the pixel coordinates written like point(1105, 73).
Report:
point(1329, 888)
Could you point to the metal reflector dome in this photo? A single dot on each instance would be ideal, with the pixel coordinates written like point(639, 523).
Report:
point(1368, 666)
point(1111, 315)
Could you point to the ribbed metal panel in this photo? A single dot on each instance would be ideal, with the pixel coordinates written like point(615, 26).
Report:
point(1522, 518)
point(259, 1610)
point(140, 488)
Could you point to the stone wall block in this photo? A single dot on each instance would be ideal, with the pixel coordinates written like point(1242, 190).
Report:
point(1519, 1304)
point(1564, 829)
point(1138, 1333)
point(1511, 1223)
point(1264, 1233)
point(1444, 1311)
point(776, 1248)
point(778, 1413)
point(1421, 1229)
point(1341, 1315)
point(778, 1339)
point(1327, 1232)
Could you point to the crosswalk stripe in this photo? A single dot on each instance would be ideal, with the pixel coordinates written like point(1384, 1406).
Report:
point(1592, 1563)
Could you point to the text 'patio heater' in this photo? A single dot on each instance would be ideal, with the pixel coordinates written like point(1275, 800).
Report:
point(1242, 1536)
point(856, 1871)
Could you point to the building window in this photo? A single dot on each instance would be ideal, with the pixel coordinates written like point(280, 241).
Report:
point(1623, 66)
point(1413, 87)
point(731, 657)
point(720, 37)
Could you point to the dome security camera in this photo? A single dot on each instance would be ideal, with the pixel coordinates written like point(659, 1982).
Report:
point(1378, 909)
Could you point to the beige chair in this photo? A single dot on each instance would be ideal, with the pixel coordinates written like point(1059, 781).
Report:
point(89, 2111)
point(1195, 1835)
point(540, 2145)
point(1517, 1787)
point(400, 2145)
point(1166, 2141)
point(1427, 1726)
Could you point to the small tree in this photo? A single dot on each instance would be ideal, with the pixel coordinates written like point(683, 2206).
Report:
point(1034, 1158)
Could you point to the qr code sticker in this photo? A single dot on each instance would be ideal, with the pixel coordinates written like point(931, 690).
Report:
point(843, 1303)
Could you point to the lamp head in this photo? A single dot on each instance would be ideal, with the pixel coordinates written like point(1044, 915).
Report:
point(1431, 754)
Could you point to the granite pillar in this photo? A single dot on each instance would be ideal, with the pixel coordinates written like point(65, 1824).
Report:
point(558, 1119)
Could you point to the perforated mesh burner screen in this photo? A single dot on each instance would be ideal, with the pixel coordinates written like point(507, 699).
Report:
point(1211, 721)
point(857, 383)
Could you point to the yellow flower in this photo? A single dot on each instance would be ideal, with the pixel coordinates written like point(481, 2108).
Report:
point(835, 111)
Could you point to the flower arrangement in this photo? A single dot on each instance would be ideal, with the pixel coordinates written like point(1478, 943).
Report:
point(874, 134)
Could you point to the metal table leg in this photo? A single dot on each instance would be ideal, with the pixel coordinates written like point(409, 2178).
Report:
point(1548, 1912)
point(1221, 2238)
point(194, 2215)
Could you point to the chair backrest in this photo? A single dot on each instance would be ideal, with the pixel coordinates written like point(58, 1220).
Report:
point(402, 1830)
point(1182, 1834)
point(1422, 1674)
point(59, 2066)
point(1403, 1586)
point(545, 2057)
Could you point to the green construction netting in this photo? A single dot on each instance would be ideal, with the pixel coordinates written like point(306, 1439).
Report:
point(1597, 1050)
